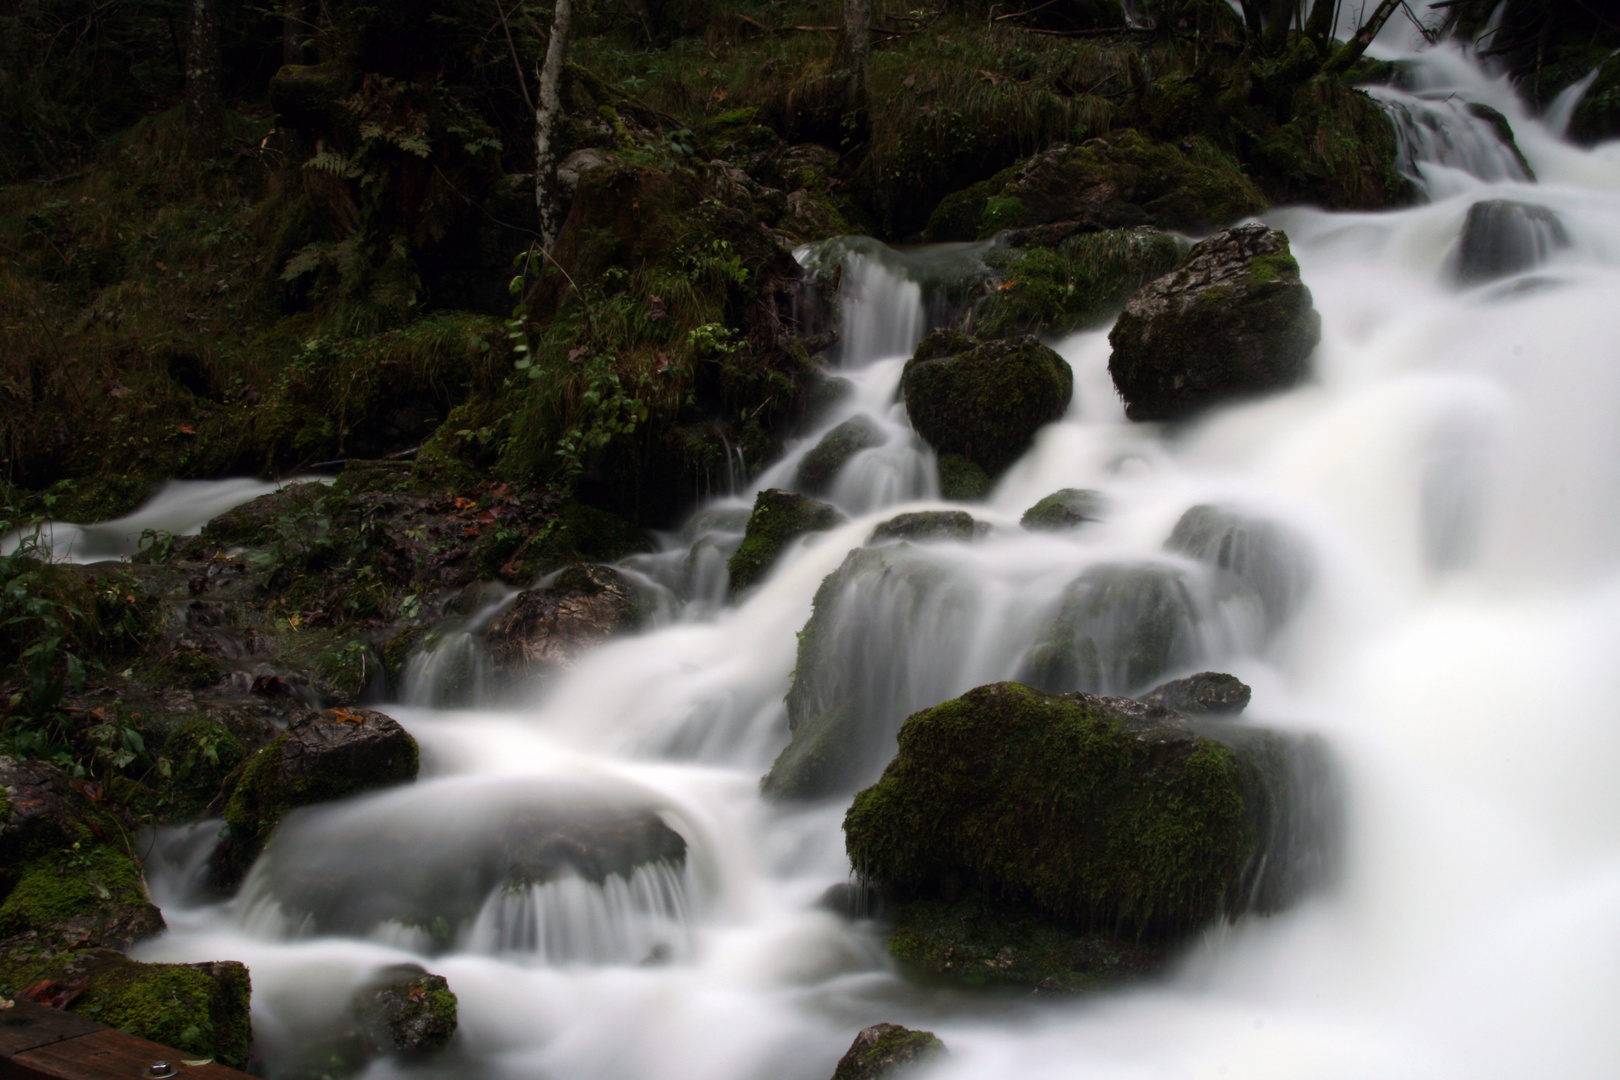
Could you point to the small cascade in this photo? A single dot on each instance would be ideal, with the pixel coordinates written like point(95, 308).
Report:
point(450, 667)
point(1444, 147)
point(639, 919)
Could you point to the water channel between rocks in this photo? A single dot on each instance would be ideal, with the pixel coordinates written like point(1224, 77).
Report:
point(1453, 467)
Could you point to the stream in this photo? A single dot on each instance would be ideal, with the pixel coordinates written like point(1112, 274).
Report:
point(1452, 472)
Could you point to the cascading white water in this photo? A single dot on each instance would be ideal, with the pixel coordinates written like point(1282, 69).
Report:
point(1452, 470)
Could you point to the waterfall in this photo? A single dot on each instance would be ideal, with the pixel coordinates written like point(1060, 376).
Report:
point(1414, 555)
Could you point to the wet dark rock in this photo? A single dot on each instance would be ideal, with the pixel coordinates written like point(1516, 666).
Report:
point(985, 400)
point(1083, 812)
point(407, 1010)
point(883, 1051)
point(1504, 132)
point(255, 523)
point(1269, 561)
point(826, 393)
point(323, 755)
point(961, 480)
point(1209, 693)
point(1068, 508)
point(925, 525)
point(1501, 237)
point(779, 517)
point(67, 878)
point(851, 900)
point(820, 467)
point(850, 692)
point(1232, 320)
point(546, 630)
point(1119, 627)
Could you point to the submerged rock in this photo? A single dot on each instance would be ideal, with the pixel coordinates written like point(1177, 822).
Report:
point(1209, 693)
point(1119, 627)
point(926, 525)
point(199, 1009)
point(1084, 811)
point(1266, 560)
point(820, 467)
point(1501, 237)
point(779, 517)
point(1232, 320)
point(985, 400)
point(883, 1051)
point(65, 880)
point(323, 755)
point(407, 1011)
point(1068, 508)
point(886, 632)
point(545, 630)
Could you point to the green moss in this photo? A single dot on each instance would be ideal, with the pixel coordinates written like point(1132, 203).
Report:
point(1597, 117)
point(973, 941)
point(343, 673)
point(398, 652)
point(1092, 818)
point(1338, 150)
point(201, 1009)
point(1001, 212)
point(1264, 269)
point(1082, 282)
point(820, 467)
point(76, 883)
point(778, 518)
point(928, 525)
point(1065, 509)
point(962, 480)
point(887, 1052)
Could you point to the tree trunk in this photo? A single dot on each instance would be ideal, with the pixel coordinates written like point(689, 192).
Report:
point(202, 71)
point(855, 52)
point(547, 106)
point(292, 32)
point(1319, 27)
point(1351, 51)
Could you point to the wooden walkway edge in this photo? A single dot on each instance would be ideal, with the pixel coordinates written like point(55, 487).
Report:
point(36, 1042)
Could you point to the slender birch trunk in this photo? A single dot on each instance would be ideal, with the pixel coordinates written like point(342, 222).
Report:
point(202, 71)
point(547, 106)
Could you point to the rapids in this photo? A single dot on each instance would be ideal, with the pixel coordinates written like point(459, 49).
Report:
point(1454, 469)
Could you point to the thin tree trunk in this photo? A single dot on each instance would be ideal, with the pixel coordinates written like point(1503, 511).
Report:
point(855, 51)
point(202, 71)
point(1351, 51)
point(292, 32)
point(1319, 27)
point(548, 105)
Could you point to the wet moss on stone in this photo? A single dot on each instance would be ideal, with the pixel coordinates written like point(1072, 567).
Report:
point(962, 480)
point(819, 469)
point(779, 517)
point(1083, 281)
point(1068, 508)
point(926, 525)
point(887, 1052)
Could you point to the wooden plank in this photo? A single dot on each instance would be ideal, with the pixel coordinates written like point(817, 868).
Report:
point(114, 1055)
point(26, 1025)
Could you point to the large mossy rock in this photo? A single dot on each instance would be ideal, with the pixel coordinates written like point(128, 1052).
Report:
point(1082, 281)
point(779, 517)
point(199, 1009)
point(986, 400)
point(407, 1011)
point(819, 469)
point(886, 1052)
point(65, 878)
point(1233, 320)
point(546, 630)
point(323, 755)
point(1268, 562)
point(1120, 181)
point(1118, 628)
point(1501, 237)
point(1066, 508)
point(887, 632)
point(1597, 117)
point(1098, 812)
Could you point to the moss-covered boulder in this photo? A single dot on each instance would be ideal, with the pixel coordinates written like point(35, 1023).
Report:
point(1232, 320)
point(1502, 128)
point(1067, 508)
point(1123, 180)
point(1082, 281)
point(67, 875)
point(962, 480)
point(886, 1051)
point(407, 1010)
point(1118, 628)
point(926, 525)
point(1501, 237)
point(545, 630)
point(1097, 812)
point(779, 517)
point(1271, 563)
point(259, 523)
point(323, 755)
point(199, 1009)
point(1597, 117)
point(887, 632)
point(984, 401)
point(819, 469)
point(1209, 693)
point(1336, 149)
